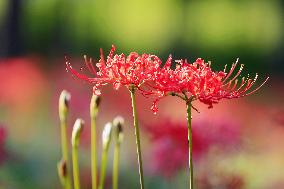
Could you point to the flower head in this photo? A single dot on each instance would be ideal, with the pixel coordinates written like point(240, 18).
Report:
point(119, 70)
point(197, 81)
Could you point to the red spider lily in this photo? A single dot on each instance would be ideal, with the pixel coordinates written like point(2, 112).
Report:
point(197, 81)
point(211, 180)
point(29, 78)
point(170, 142)
point(118, 70)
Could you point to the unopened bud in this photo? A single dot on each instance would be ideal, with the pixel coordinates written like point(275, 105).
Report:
point(94, 105)
point(106, 136)
point(62, 170)
point(76, 133)
point(118, 123)
point(64, 100)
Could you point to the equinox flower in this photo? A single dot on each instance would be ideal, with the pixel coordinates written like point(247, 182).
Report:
point(197, 81)
point(212, 179)
point(118, 70)
point(170, 142)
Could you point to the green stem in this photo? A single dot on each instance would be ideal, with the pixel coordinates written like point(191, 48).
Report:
point(94, 152)
point(115, 166)
point(103, 169)
point(188, 105)
point(76, 175)
point(64, 147)
point(137, 134)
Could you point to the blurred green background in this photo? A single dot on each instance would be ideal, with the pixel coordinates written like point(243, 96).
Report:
point(35, 36)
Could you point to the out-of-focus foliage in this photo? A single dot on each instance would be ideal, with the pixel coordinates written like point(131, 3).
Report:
point(232, 25)
point(3, 9)
point(129, 24)
point(152, 25)
point(226, 26)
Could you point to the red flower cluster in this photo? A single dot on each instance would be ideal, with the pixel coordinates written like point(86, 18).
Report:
point(196, 81)
point(118, 70)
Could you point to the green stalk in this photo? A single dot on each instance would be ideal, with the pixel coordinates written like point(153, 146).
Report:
point(63, 171)
point(64, 145)
point(115, 166)
point(76, 176)
point(76, 133)
point(188, 106)
point(118, 137)
point(103, 169)
point(93, 154)
point(137, 134)
point(106, 139)
point(93, 113)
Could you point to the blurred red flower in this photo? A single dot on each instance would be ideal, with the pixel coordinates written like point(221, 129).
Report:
point(22, 83)
point(170, 142)
point(278, 117)
point(220, 180)
point(3, 153)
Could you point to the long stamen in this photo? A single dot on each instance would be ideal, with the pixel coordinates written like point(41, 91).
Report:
point(231, 70)
point(102, 57)
point(225, 68)
point(245, 81)
point(250, 84)
point(88, 65)
point(92, 65)
point(235, 85)
point(239, 72)
point(257, 87)
point(74, 72)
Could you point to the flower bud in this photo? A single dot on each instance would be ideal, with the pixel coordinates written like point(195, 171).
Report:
point(77, 130)
point(64, 100)
point(106, 136)
point(62, 170)
point(118, 122)
point(94, 105)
